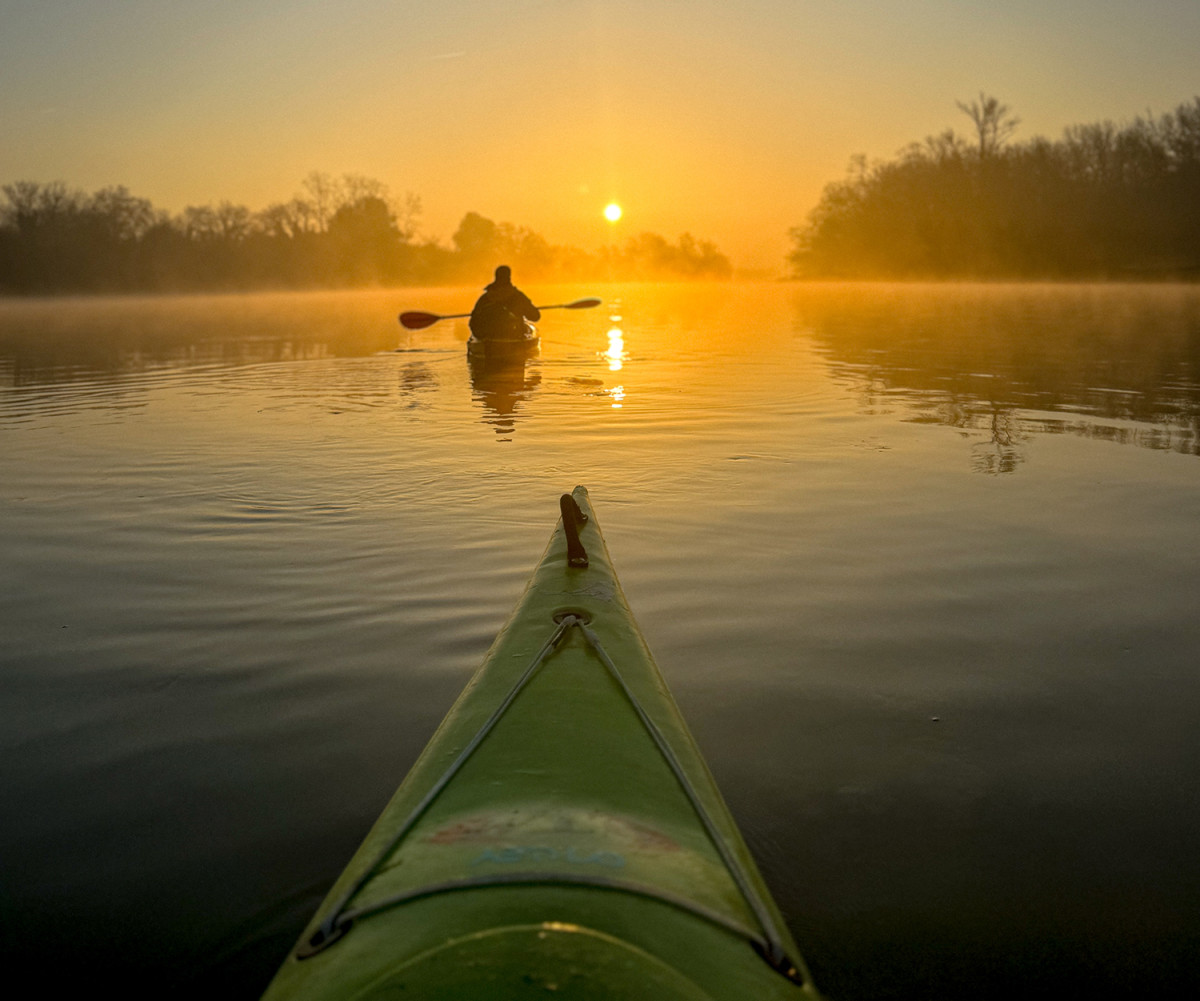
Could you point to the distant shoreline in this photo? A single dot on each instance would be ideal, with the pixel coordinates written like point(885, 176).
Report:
point(781, 281)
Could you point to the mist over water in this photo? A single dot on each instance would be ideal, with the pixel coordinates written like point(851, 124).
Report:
point(918, 563)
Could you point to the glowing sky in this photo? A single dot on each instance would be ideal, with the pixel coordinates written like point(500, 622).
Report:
point(724, 119)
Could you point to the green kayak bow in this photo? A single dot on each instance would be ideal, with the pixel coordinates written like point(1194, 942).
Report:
point(559, 836)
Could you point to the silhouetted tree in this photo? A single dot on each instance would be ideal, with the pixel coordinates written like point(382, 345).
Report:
point(366, 242)
point(994, 125)
point(650, 255)
point(335, 232)
point(475, 236)
point(1103, 201)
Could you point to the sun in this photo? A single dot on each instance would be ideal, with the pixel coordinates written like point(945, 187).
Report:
point(612, 211)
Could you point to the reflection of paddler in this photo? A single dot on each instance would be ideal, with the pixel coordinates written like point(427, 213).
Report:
point(500, 383)
point(502, 310)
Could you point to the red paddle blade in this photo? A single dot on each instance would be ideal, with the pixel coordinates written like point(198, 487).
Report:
point(418, 321)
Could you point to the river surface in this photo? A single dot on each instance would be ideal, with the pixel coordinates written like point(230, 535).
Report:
point(921, 565)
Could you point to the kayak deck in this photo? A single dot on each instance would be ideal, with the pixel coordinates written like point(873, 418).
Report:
point(560, 831)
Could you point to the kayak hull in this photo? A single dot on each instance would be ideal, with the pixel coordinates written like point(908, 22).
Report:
point(506, 345)
point(560, 832)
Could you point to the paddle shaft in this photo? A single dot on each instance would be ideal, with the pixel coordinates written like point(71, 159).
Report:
point(418, 320)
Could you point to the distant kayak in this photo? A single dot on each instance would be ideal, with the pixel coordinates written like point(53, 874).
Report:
point(560, 836)
point(495, 333)
point(517, 340)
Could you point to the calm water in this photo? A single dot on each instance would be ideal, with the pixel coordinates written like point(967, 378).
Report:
point(921, 565)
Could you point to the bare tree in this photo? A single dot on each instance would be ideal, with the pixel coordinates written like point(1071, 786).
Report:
point(124, 216)
point(31, 203)
point(408, 214)
point(226, 222)
point(993, 123)
point(325, 195)
point(354, 188)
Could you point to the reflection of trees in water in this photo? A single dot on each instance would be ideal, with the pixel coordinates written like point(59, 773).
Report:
point(417, 380)
point(59, 341)
point(995, 430)
point(1003, 364)
point(32, 363)
point(501, 385)
point(1001, 453)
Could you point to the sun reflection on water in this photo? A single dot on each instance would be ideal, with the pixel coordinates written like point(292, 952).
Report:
point(616, 349)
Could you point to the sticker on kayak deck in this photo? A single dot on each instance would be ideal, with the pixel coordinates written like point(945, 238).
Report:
point(554, 826)
point(596, 590)
point(535, 854)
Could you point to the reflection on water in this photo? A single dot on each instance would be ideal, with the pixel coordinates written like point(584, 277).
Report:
point(615, 355)
point(502, 384)
point(253, 547)
point(616, 349)
point(1002, 364)
point(999, 364)
point(417, 382)
point(52, 341)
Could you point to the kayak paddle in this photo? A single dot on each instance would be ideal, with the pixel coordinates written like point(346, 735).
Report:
point(418, 321)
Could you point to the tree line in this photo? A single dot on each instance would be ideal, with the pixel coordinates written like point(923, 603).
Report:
point(336, 232)
point(1105, 201)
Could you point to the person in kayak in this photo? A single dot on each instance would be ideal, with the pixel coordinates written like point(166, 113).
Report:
point(502, 309)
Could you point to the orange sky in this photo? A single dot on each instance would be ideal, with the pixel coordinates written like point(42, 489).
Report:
point(722, 119)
